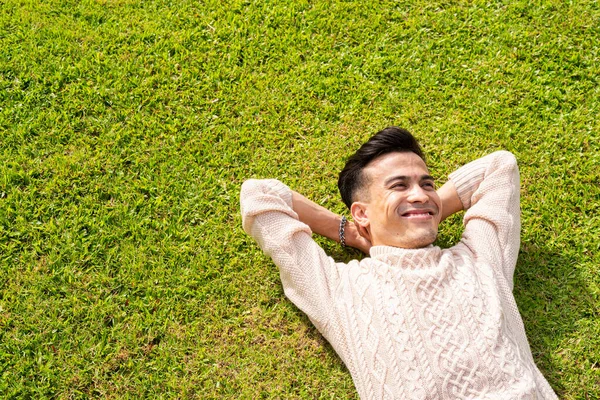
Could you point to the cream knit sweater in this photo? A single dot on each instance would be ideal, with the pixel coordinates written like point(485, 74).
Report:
point(428, 323)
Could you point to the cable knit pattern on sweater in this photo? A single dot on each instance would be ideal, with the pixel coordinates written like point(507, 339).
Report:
point(415, 324)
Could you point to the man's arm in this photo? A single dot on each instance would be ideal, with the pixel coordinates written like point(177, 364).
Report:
point(307, 274)
point(489, 191)
point(326, 223)
point(450, 201)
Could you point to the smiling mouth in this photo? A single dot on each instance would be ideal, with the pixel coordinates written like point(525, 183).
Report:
point(418, 214)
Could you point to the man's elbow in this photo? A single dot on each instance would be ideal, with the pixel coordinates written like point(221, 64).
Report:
point(506, 161)
point(505, 157)
point(252, 187)
point(248, 186)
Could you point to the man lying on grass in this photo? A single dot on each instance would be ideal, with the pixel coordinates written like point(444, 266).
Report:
point(412, 321)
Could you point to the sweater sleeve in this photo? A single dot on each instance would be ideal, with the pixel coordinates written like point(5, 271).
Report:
point(307, 273)
point(489, 190)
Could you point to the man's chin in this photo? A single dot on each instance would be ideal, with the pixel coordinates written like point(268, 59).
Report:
point(414, 238)
point(423, 240)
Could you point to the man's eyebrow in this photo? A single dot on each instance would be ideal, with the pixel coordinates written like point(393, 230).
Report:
point(395, 178)
point(406, 178)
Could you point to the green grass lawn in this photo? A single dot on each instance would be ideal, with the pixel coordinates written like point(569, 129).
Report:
point(127, 128)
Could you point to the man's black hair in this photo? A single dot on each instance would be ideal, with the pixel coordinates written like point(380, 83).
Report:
point(389, 140)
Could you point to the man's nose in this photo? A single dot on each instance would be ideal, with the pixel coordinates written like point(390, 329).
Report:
point(417, 195)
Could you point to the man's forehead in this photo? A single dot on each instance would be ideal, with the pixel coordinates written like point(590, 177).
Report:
point(398, 163)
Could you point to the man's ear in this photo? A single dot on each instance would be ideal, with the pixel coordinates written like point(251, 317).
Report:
point(360, 214)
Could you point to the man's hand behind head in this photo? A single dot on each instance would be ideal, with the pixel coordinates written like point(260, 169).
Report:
point(358, 237)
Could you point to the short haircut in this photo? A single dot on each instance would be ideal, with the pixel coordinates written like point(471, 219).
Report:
point(389, 140)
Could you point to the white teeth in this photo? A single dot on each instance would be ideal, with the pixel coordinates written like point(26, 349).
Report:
point(416, 214)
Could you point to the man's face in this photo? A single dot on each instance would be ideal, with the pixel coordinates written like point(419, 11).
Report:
point(402, 207)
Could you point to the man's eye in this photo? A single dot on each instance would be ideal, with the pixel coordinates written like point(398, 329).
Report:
point(399, 186)
point(429, 185)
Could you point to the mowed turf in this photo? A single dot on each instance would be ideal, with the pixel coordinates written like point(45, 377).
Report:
point(127, 128)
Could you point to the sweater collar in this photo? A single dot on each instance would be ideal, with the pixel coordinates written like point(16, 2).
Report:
point(409, 258)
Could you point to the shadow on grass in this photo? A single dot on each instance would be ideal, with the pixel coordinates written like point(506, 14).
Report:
point(553, 300)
